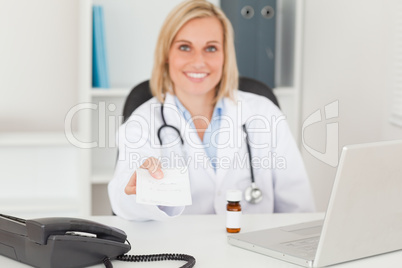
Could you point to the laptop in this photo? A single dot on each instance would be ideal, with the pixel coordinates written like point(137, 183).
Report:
point(363, 218)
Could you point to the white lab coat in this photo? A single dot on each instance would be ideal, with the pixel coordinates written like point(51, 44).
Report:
point(278, 167)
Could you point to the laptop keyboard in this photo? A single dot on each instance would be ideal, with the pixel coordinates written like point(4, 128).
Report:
point(305, 246)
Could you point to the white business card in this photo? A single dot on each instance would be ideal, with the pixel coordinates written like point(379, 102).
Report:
point(172, 190)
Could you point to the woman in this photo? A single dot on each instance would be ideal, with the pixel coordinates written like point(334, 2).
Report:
point(195, 78)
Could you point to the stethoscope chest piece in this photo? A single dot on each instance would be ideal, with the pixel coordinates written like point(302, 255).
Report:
point(253, 194)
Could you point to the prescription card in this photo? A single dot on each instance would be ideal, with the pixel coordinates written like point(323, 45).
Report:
point(172, 190)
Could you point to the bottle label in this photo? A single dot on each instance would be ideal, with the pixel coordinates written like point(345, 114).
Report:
point(233, 219)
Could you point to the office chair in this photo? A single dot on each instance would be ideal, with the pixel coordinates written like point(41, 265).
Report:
point(141, 93)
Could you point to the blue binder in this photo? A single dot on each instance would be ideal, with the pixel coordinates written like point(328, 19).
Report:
point(100, 75)
point(254, 24)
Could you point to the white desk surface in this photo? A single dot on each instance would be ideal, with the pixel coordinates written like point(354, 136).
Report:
point(205, 238)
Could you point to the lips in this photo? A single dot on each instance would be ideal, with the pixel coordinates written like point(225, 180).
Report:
point(196, 75)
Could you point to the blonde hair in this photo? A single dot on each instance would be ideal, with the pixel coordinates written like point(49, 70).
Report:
point(161, 82)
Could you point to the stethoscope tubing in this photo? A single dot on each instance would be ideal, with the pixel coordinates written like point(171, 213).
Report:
point(249, 154)
point(164, 125)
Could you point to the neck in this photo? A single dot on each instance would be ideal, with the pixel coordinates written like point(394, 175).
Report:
point(202, 105)
point(201, 109)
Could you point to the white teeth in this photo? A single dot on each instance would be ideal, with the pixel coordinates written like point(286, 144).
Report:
point(197, 75)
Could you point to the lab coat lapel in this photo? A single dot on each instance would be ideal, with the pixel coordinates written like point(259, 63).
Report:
point(172, 151)
point(231, 136)
point(172, 114)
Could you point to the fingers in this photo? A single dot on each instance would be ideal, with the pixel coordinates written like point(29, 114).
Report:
point(131, 187)
point(154, 167)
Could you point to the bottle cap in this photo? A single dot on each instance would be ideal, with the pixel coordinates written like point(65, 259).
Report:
point(233, 195)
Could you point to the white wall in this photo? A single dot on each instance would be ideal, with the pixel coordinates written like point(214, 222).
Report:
point(346, 58)
point(39, 85)
point(38, 66)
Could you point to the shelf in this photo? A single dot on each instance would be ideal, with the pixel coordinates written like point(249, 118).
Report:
point(15, 139)
point(110, 92)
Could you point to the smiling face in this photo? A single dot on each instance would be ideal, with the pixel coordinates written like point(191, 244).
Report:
point(196, 58)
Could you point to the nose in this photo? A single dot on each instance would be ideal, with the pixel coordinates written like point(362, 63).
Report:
point(198, 60)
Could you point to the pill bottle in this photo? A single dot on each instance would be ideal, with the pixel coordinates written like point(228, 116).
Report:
point(233, 211)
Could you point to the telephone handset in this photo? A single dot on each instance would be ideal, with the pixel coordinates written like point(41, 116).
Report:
point(68, 242)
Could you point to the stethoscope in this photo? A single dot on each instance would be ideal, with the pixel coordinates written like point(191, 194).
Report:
point(252, 194)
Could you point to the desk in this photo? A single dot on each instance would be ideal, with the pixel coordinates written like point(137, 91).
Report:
point(205, 238)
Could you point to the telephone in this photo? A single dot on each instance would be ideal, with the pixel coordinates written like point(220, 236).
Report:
point(68, 242)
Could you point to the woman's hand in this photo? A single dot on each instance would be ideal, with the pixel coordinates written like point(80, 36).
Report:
point(154, 168)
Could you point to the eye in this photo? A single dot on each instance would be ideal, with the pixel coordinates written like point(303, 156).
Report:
point(211, 49)
point(184, 48)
